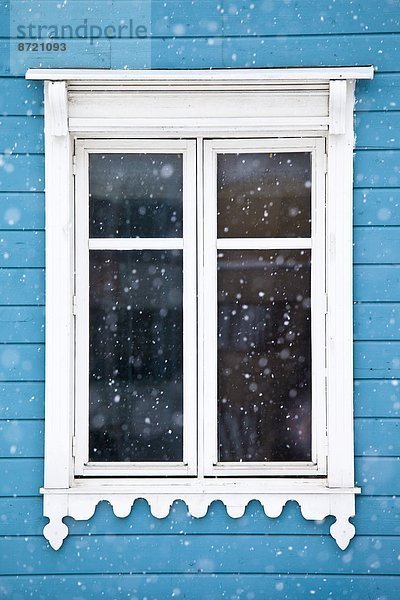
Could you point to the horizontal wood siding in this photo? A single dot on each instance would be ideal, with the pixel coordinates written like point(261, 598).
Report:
point(215, 557)
point(212, 587)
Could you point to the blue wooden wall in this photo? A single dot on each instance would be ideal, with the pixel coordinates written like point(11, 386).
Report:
point(214, 557)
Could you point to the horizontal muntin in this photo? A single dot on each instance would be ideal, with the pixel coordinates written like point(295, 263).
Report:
point(136, 243)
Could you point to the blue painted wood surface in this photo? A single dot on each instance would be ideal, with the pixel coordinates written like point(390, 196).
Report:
point(212, 587)
point(377, 398)
point(376, 206)
point(21, 286)
point(22, 324)
point(21, 211)
point(22, 400)
point(199, 554)
point(376, 321)
point(214, 557)
point(377, 283)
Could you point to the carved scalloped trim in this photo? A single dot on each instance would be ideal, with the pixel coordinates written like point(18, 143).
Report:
point(81, 507)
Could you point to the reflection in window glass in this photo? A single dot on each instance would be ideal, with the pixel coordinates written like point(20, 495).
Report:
point(264, 194)
point(264, 355)
point(135, 195)
point(135, 377)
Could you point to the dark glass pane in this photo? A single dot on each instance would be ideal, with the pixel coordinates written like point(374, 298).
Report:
point(135, 389)
point(264, 355)
point(264, 195)
point(135, 195)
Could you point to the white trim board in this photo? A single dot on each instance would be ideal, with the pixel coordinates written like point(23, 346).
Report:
point(217, 76)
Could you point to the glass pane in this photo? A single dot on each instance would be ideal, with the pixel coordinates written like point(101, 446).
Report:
point(264, 355)
point(135, 195)
point(135, 378)
point(264, 195)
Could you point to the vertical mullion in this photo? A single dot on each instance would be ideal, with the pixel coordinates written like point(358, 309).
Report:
point(82, 310)
point(210, 314)
point(189, 308)
point(200, 311)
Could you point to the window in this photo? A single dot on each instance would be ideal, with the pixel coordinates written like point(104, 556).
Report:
point(198, 273)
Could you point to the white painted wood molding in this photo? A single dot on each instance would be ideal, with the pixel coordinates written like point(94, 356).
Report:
point(313, 507)
point(337, 107)
point(320, 106)
point(218, 76)
point(57, 105)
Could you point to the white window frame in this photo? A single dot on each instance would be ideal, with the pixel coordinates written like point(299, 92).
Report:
point(303, 104)
point(84, 243)
point(315, 243)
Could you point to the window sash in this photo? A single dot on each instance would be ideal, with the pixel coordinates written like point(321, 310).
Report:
point(200, 435)
point(188, 467)
point(317, 466)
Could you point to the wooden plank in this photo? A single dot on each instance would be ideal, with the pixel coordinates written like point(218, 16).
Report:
point(22, 400)
point(167, 53)
point(376, 321)
point(96, 12)
point(210, 587)
point(382, 93)
point(375, 475)
point(377, 130)
point(377, 437)
point(377, 360)
point(21, 476)
point(21, 362)
point(214, 108)
point(21, 97)
point(21, 286)
point(21, 324)
point(22, 134)
point(21, 439)
point(194, 554)
point(376, 206)
point(372, 169)
point(247, 17)
point(21, 211)
point(377, 283)
point(22, 173)
point(310, 51)
point(378, 476)
point(215, 52)
point(376, 168)
point(374, 516)
point(208, 18)
point(373, 437)
point(377, 398)
point(181, 18)
point(22, 249)
point(377, 244)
